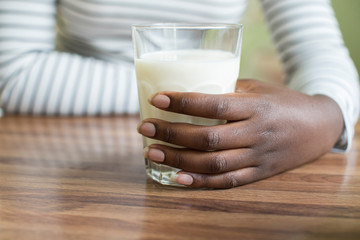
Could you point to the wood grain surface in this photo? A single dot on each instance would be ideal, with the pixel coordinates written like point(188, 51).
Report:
point(84, 178)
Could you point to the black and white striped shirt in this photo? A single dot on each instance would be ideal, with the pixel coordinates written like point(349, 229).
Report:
point(74, 57)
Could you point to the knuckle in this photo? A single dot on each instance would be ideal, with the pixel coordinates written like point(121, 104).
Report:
point(220, 107)
point(269, 136)
point(230, 181)
point(203, 181)
point(178, 160)
point(169, 135)
point(184, 104)
point(210, 140)
point(263, 106)
point(218, 164)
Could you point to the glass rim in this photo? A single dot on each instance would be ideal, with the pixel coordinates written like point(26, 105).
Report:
point(187, 26)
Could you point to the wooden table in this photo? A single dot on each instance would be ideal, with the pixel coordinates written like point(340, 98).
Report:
point(84, 178)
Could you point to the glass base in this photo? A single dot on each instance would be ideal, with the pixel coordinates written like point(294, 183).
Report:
point(162, 174)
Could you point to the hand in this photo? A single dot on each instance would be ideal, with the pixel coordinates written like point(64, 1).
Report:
point(269, 129)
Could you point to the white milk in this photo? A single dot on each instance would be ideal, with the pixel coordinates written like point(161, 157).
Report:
point(205, 71)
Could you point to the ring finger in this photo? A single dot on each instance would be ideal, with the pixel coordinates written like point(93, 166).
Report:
point(201, 162)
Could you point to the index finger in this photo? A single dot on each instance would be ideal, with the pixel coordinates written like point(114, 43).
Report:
point(231, 106)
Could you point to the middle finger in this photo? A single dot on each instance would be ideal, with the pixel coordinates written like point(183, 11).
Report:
point(227, 136)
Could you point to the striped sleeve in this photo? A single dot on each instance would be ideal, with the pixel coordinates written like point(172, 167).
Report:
point(36, 79)
point(310, 44)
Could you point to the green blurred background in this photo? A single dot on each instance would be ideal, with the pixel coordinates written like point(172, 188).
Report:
point(258, 58)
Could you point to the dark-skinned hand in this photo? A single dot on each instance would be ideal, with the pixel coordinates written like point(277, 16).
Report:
point(269, 129)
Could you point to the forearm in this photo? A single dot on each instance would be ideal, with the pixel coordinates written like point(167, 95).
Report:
point(66, 84)
point(36, 79)
point(315, 59)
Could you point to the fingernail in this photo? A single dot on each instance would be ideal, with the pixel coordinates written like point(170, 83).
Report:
point(154, 154)
point(160, 101)
point(184, 179)
point(147, 129)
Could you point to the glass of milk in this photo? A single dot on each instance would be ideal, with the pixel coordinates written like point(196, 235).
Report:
point(182, 57)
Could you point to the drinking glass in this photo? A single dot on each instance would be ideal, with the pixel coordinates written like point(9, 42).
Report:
point(181, 57)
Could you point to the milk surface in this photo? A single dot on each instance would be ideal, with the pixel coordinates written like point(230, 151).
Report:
point(204, 71)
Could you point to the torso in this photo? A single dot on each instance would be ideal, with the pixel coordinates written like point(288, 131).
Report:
point(102, 28)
